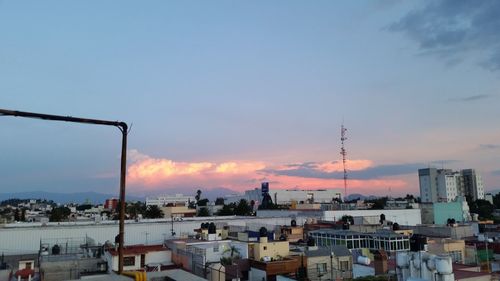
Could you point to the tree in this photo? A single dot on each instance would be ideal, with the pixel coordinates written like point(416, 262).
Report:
point(134, 209)
point(243, 209)
point(23, 214)
point(153, 212)
point(59, 214)
point(17, 217)
point(198, 196)
point(226, 211)
point(234, 254)
point(348, 219)
point(203, 202)
point(219, 201)
point(83, 207)
point(483, 208)
point(203, 212)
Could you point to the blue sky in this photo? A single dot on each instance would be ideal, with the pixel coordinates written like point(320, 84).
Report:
point(241, 90)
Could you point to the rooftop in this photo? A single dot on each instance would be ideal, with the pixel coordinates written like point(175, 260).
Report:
point(138, 249)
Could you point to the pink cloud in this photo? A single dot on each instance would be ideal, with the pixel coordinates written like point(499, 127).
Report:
point(149, 173)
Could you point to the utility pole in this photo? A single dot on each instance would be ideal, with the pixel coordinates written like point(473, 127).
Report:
point(122, 126)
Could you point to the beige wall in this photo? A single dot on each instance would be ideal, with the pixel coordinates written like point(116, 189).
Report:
point(271, 249)
point(446, 245)
point(176, 211)
point(312, 267)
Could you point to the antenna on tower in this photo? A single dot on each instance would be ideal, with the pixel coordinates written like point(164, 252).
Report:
point(343, 152)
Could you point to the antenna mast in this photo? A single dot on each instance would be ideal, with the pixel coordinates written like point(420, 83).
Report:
point(343, 152)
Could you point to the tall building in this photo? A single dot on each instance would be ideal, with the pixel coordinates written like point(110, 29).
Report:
point(473, 184)
point(428, 185)
point(445, 185)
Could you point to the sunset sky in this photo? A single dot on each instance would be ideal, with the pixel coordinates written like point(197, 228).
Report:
point(233, 93)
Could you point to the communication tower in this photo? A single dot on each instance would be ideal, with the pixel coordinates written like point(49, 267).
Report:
point(343, 152)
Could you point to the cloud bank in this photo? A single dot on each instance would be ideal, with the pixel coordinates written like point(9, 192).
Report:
point(148, 173)
point(451, 29)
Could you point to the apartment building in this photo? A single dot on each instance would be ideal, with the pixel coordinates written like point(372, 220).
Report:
point(445, 185)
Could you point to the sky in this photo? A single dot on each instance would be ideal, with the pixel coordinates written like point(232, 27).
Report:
point(227, 94)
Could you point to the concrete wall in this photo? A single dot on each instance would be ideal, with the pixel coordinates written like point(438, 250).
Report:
point(24, 238)
point(457, 232)
point(163, 257)
point(427, 213)
point(444, 246)
point(216, 272)
point(257, 275)
point(457, 210)
point(271, 249)
point(402, 216)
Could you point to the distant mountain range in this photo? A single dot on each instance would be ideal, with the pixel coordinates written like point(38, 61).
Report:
point(355, 196)
point(99, 198)
point(63, 198)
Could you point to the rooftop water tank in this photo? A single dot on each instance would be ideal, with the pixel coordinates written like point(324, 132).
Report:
point(364, 260)
point(402, 260)
point(431, 263)
point(443, 265)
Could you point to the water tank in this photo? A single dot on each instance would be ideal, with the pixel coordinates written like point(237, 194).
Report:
point(402, 260)
point(417, 263)
point(266, 259)
point(56, 250)
point(263, 232)
point(212, 229)
point(443, 265)
point(294, 223)
point(311, 242)
point(364, 260)
point(417, 242)
point(431, 263)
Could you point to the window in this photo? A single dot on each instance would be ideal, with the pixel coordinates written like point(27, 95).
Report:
point(456, 256)
point(321, 267)
point(265, 248)
point(216, 249)
point(129, 261)
point(344, 265)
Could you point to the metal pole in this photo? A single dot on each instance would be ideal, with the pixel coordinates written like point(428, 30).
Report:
point(331, 266)
point(123, 171)
point(123, 128)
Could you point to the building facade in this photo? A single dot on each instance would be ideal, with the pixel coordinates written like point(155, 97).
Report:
point(288, 196)
point(387, 240)
point(473, 184)
point(165, 200)
point(445, 185)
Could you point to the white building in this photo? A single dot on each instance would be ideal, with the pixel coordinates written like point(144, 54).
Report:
point(161, 201)
point(444, 185)
point(448, 185)
point(473, 184)
point(136, 257)
point(24, 238)
point(286, 196)
point(401, 216)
